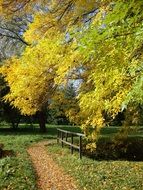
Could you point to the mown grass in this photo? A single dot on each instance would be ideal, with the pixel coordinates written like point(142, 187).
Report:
point(99, 175)
point(16, 173)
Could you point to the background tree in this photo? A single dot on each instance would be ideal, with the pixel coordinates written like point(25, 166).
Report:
point(97, 39)
point(64, 103)
point(32, 83)
point(7, 112)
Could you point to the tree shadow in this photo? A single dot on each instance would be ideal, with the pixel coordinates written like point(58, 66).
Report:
point(129, 150)
point(31, 130)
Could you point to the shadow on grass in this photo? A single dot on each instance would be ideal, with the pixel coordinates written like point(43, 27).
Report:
point(129, 150)
point(28, 130)
point(132, 149)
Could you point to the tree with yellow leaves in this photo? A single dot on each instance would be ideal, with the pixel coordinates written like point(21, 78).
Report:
point(96, 42)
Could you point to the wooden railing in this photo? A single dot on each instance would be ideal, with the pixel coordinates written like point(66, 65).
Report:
point(63, 137)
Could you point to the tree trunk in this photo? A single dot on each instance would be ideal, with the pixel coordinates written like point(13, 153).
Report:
point(42, 121)
point(1, 149)
point(15, 123)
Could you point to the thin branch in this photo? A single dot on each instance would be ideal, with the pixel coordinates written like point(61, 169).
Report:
point(21, 7)
point(66, 10)
point(123, 34)
point(14, 37)
point(14, 33)
point(90, 12)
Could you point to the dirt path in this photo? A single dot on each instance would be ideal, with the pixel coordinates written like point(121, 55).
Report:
point(49, 175)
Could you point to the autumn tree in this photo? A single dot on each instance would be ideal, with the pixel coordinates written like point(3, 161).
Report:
point(96, 42)
point(11, 43)
point(7, 112)
point(31, 79)
point(64, 104)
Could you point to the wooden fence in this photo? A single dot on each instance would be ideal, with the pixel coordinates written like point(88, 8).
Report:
point(63, 137)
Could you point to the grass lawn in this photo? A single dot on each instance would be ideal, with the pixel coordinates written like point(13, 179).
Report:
point(99, 175)
point(16, 173)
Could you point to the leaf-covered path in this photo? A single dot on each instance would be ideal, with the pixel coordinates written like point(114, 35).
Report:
point(49, 175)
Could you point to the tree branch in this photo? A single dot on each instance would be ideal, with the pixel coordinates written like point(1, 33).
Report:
point(14, 10)
point(14, 37)
point(65, 10)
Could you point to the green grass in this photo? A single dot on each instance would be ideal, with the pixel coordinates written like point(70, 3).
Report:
point(99, 175)
point(16, 173)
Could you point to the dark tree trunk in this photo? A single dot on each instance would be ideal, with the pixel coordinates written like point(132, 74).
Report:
point(42, 120)
point(15, 123)
point(1, 149)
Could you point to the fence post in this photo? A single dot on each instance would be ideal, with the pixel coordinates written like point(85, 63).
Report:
point(66, 137)
point(65, 134)
point(80, 147)
point(58, 136)
point(71, 143)
point(62, 139)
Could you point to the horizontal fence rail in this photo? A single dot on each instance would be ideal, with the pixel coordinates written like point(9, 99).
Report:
point(63, 137)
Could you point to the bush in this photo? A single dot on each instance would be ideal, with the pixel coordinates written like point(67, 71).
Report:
point(129, 149)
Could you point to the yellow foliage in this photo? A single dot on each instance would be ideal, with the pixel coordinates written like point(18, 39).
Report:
point(31, 77)
point(104, 52)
